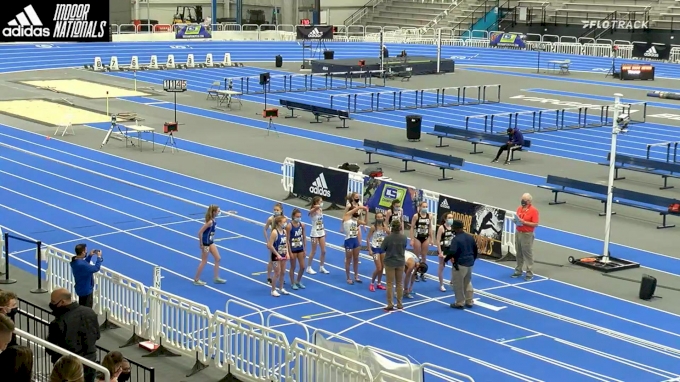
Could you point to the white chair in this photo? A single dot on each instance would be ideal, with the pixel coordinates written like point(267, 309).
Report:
point(212, 91)
point(65, 126)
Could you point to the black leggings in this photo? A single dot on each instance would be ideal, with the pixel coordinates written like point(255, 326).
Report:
point(508, 147)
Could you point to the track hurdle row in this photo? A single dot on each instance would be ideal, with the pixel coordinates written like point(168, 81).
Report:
point(555, 119)
point(190, 63)
point(671, 150)
point(287, 83)
point(417, 99)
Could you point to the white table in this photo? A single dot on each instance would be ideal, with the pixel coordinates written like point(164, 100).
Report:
point(227, 97)
point(561, 66)
point(138, 130)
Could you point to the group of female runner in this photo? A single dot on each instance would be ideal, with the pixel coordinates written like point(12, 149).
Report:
point(287, 242)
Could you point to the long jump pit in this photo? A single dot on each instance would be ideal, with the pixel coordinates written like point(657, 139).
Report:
point(84, 89)
point(51, 113)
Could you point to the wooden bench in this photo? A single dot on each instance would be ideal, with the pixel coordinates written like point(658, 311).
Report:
point(317, 111)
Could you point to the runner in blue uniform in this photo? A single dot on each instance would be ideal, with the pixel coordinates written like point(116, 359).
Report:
point(206, 236)
point(350, 226)
point(268, 227)
point(375, 237)
point(297, 243)
point(278, 248)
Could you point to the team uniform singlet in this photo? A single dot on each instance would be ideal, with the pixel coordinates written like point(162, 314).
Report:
point(209, 234)
point(423, 227)
point(281, 245)
point(317, 229)
point(410, 255)
point(377, 239)
point(296, 244)
point(447, 237)
point(396, 215)
point(351, 228)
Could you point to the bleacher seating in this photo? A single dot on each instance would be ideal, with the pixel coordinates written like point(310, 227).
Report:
point(406, 13)
point(317, 111)
point(575, 11)
point(476, 138)
point(406, 154)
point(654, 167)
point(628, 198)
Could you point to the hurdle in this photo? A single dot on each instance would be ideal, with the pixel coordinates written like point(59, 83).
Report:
point(671, 158)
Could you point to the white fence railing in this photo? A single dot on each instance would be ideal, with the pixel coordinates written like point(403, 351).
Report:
point(584, 46)
point(357, 183)
point(250, 349)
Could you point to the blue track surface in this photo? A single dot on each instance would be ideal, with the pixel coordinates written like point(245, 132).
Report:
point(547, 330)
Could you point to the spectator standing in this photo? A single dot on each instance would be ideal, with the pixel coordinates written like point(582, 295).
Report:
point(16, 364)
point(83, 273)
point(515, 139)
point(68, 368)
point(463, 254)
point(9, 306)
point(394, 246)
point(526, 220)
point(75, 328)
point(6, 331)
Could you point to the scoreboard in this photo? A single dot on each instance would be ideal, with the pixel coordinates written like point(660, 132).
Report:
point(637, 72)
point(175, 86)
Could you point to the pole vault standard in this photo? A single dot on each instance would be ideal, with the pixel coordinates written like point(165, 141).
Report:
point(381, 54)
point(606, 263)
point(439, 50)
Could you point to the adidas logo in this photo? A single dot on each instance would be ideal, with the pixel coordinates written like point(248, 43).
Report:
point(319, 187)
point(315, 33)
point(445, 204)
point(651, 52)
point(26, 24)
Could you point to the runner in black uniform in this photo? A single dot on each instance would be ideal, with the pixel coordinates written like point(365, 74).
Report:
point(444, 238)
point(395, 213)
point(421, 233)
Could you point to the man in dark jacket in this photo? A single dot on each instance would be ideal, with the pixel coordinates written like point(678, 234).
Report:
point(462, 253)
point(83, 273)
point(515, 141)
point(394, 246)
point(75, 328)
point(6, 332)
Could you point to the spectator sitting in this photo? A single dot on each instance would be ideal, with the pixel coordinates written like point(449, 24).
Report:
point(83, 273)
point(75, 328)
point(118, 367)
point(515, 139)
point(67, 369)
point(9, 306)
point(6, 332)
point(16, 363)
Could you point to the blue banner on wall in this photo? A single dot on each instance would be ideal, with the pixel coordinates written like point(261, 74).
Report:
point(382, 193)
point(192, 31)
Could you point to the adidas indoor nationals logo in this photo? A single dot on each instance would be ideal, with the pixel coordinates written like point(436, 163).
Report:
point(59, 22)
point(319, 187)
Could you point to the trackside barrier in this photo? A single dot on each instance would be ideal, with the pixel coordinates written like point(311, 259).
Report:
point(357, 184)
point(416, 99)
point(122, 301)
point(673, 158)
point(312, 363)
point(286, 83)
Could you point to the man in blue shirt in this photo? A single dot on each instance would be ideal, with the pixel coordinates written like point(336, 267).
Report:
point(83, 273)
point(462, 253)
point(515, 140)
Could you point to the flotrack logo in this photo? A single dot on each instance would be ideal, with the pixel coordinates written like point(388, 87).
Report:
point(617, 24)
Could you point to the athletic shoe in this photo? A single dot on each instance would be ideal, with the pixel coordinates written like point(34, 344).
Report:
point(284, 291)
point(294, 287)
point(269, 280)
point(371, 287)
point(442, 288)
point(381, 287)
point(220, 281)
point(199, 282)
point(310, 271)
point(422, 278)
point(323, 270)
point(299, 285)
point(408, 295)
point(516, 275)
point(275, 293)
point(528, 278)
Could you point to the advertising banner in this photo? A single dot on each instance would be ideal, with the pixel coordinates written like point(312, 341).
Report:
point(651, 51)
point(56, 22)
point(314, 32)
point(310, 181)
point(381, 194)
point(483, 222)
point(192, 31)
point(507, 40)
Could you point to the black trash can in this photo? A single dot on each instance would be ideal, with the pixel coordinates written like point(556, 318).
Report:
point(328, 54)
point(279, 61)
point(413, 127)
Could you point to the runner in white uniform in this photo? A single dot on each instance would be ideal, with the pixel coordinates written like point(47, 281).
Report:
point(350, 226)
point(317, 233)
point(375, 237)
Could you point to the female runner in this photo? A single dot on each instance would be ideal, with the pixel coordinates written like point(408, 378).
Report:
point(268, 227)
point(412, 268)
point(206, 236)
point(278, 247)
point(297, 243)
point(354, 200)
point(318, 235)
point(395, 213)
point(444, 238)
point(375, 237)
point(350, 226)
point(421, 233)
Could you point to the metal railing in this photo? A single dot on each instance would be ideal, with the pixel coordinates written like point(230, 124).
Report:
point(442, 15)
point(355, 17)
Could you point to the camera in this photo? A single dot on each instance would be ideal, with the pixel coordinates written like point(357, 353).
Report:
point(622, 122)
